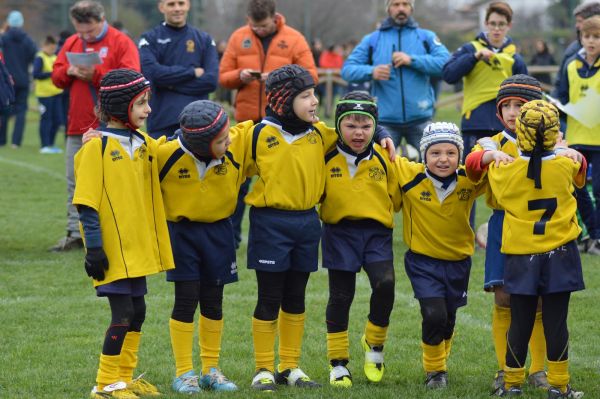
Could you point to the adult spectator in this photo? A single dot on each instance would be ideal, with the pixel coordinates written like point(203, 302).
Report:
point(581, 13)
point(7, 90)
point(483, 64)
point(19, 52)
point(181, 63)
point(263, 45)
point(400, 58)
point(542, 56)
point(116, 50)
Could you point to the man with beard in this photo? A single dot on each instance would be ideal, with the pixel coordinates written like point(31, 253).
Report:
point(401, 59)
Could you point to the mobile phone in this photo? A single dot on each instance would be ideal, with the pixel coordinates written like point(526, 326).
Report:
point(256, 74)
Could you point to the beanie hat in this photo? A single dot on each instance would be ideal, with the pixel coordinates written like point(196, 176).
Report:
point(441, 132)
point(517, 87)
point(201, 122)
point(119, 89)
point(283, 85)
point(355, 102)
point(388, 2)
point(15, 19)
point(587, 10)
point(537, 129)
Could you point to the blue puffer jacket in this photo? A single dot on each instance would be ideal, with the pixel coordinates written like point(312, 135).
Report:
point(408, 95)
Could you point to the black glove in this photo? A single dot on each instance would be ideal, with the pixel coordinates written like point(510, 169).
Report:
point(96, 263)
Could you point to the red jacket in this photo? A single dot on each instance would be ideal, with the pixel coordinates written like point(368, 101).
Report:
point(245, 50)
point(331, 59)
point(116, 51)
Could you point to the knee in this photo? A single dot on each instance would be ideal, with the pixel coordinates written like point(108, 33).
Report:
point(434, 316)
point(293, 304)
point(124, 314)
point(267, 307)
point(385, 286)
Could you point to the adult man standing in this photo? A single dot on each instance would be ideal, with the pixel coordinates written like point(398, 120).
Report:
point(263, 45)
point(181, 63)
point(401, 59)
point(19, 52)
point(115, 50)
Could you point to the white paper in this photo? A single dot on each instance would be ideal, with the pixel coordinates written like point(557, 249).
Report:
point(84, 59)
point(586, 110)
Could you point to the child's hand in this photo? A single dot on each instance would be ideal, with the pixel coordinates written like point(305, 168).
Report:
point(96, 263)
point(90, 134)
point(570, 153)
point(499, 157)
point(388, 144)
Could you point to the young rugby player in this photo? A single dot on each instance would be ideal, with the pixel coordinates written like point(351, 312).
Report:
point(122, 216)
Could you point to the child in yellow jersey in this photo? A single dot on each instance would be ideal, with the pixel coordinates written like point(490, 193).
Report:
point(357, 210)
point(122, 216)
point(514, 92)
point(287, 152)
point(200, 174)
point(538, 238)
point(438, 193)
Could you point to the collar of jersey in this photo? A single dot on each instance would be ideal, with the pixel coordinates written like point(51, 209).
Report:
point(289, 138)
point(211, 164)
point(546, 155)
point(124, 136)
point(510, 136)
point(353, 158)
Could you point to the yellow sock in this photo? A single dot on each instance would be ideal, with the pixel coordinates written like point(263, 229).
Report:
point(210, 332)
point(434, 357)
point(375, 335)
point(514, 377)
point(263, 337)
point(291, 330)
point(537, 345)
point(558, 374)
point(448, 346)
point(129, 357)
point(337, 345)
point(108, 370)
point(182, 337)
point(500, 325)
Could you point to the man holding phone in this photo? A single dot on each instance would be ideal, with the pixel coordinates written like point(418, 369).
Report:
point(263, 45)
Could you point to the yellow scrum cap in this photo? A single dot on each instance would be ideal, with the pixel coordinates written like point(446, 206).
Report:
point(538, 120)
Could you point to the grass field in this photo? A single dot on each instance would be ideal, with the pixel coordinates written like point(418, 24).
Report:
point(52, 325)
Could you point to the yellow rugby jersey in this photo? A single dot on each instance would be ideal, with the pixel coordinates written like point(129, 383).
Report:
point(372, 193)
point(290, 168)
point(577, 132)
point(483, 82)
point(125, 191)
point(507, 143)
point(536, 220)
point(189, 195)
point(437, 229)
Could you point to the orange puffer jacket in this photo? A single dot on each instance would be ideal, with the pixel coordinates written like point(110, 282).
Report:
point(245, 50)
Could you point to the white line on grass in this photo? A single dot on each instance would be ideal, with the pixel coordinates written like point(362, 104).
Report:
point(33, 168)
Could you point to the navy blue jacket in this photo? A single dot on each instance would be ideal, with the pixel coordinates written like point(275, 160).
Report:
point(483, 118)
point(19, 52)
point(168, 57)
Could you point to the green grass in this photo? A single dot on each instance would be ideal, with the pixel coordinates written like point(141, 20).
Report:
point(52, 325)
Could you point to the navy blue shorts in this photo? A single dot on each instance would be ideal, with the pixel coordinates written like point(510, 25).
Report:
point(128, 286)
point(436, 278)
point(283, 240)
point(494, 259)
point(203, 252)
point(350, 244)
point(551, 272)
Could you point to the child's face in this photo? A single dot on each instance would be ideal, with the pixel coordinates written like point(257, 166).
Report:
point(221, 143)
point(305, 106)
point(497, 26)
point(357, 131)
point(510, 111)
point(591, 43)
point(442, 159)
point(140, 110)
point(49, 48)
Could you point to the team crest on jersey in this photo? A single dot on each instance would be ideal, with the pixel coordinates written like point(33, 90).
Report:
point(464, 194)
point(336, 172)
point(376, 173)
point(184, 173)
point(282, 44)
point(246, 43)
point(141, 152)
point(116, 155)
point(272, 141)
point(190, 46)
point(584, 88)
point(495, 64)
point(312, 137)
point(221, 169)
point(425, 196)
